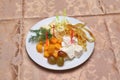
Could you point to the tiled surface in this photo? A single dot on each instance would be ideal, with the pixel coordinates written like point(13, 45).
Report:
point(113, 23)
point(18, 16)
point(9, 49)
point(40, 8)
point(111, 6)
point(100, 65)
point(10, 9)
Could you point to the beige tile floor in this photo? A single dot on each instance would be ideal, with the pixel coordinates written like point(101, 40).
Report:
point(18, 16)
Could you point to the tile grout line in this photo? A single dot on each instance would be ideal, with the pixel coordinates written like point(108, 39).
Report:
point(107, 14)
point(100, 2)
point(115, 61)
point(18, 54)
point(21, 40)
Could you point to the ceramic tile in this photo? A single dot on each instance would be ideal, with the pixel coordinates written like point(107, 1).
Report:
point(45, 8)
point(9, 49)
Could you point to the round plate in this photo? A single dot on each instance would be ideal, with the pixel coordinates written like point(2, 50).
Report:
point(42, 61)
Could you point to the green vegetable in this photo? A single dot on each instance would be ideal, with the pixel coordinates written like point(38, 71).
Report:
point(64, 12)
point(60, 61)
point(40, 35)
point(57, 18)
point(61, 23)
point(51, 60)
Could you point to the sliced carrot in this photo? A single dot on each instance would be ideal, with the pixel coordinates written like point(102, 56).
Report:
point(39, 48)
point(59, 41)
point(47, 42)
point(41, 43)
point(53, 40)
point(45, 47)
point(57, 46)
point(55, 54)
point(46, 54)
point(51, 48)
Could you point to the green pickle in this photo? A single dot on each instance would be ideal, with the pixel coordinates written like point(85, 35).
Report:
point(60, 61)
point(52, 60)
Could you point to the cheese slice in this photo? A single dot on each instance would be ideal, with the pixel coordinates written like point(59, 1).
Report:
point(78, 51)
point(72, 50)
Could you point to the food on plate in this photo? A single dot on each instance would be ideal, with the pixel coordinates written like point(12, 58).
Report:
point(39, 48)
point(60, 40)
point(60, 61)
point(51, 60)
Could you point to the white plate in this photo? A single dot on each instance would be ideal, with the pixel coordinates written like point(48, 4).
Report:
point(42, 61)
